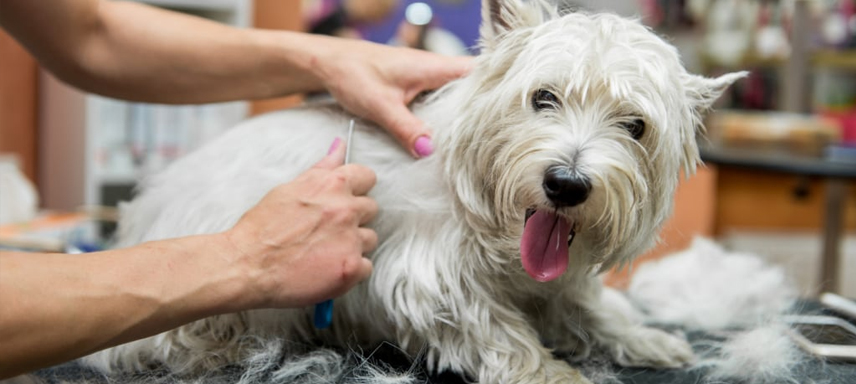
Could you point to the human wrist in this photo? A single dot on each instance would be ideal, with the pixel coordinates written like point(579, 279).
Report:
point(301, 60)
point(239, 275)
point(204, 276)
point(322, 57)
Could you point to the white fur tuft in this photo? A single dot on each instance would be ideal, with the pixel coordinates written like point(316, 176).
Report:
point(738, 300)
point(764, 355)
point(708, 288)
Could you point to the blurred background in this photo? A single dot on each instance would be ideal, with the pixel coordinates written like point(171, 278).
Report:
point(780, 150)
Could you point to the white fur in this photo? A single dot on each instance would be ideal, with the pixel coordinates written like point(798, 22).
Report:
point(762, 355)
point(708, 288)
point(736, 297)
point(447, 274)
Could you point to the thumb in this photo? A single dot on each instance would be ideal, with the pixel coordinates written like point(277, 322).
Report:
point(335, 156)
point(448, 69)
point(410, 132)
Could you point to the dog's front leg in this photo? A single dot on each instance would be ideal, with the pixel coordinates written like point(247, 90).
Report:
point(588, 315)
point(492, 344)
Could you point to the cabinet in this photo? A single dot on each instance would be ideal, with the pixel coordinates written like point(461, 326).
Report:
point(809, 80)
point(93, 150)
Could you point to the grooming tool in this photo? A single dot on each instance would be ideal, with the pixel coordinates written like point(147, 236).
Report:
point(324, 311)
point(839, 304)
point(827, 337)
point(348, 142)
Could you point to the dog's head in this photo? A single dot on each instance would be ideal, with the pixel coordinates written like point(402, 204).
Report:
point(577, 126)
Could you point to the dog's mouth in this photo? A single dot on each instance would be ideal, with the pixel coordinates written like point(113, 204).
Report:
point(547, 236)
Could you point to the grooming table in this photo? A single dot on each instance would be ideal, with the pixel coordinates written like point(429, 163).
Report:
point(387, 355)
point(828, 373)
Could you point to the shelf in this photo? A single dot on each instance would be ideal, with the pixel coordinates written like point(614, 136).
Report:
point(217, 5)
point(824, 58)
point(78, 131)
point(233, 12)
point(835, 59)
point(116, 178)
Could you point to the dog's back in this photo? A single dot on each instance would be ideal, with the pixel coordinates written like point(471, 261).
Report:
point(210, 189)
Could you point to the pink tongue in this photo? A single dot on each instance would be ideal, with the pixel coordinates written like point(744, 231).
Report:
point(544, 246)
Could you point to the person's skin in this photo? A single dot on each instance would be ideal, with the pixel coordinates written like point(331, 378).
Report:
point(302, 244)
point(137, 52)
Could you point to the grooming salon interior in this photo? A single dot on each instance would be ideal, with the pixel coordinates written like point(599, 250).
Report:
point(778, 184)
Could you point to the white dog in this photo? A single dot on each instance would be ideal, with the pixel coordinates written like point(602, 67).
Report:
point(557, 158)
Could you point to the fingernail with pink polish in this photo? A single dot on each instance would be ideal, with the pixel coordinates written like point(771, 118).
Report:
point(423, 146)
point(334, 145)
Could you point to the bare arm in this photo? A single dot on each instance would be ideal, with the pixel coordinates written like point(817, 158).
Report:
point(58, 307)
point(302, 244)
point(137, 52)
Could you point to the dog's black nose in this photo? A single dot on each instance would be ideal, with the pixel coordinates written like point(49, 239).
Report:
point(565, 188)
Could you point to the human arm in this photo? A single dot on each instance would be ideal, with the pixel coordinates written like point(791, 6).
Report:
point(136, 52)
point(301, 244)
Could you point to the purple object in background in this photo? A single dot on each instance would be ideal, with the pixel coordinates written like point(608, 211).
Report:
point(461, 17)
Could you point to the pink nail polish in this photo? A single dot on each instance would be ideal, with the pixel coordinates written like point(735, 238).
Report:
point(334, 145)
point(423, 146)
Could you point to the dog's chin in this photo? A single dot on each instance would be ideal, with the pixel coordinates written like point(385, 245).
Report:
point(545, 244)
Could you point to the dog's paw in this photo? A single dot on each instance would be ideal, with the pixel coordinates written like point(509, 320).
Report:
point(649, 347)
point(550, 372)
point(557, 372)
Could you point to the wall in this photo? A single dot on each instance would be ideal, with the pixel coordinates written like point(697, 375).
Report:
point(18, 77)
point(276, 14)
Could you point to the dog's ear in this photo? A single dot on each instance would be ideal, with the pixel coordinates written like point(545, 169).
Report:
point(704, 91)
point(501, 16)
point(701, 92)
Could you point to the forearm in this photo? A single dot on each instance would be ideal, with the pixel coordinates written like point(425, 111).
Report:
point(185, 59)
point(301, 244)
point(59, 307)
point(137, 52)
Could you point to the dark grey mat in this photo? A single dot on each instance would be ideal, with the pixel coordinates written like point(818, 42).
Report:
point(390, 360)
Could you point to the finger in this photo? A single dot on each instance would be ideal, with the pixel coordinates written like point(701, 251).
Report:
point(365, 269)
point(361, 179)
point(335, 156)
point(366, 209)
point(448, 69)
point(369, 239)
point(407, 129)
point(358, 269)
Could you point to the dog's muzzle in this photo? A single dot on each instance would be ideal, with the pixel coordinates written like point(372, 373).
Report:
point(547, 234)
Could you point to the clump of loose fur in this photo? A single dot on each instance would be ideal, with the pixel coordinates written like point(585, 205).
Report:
point(763, 355)
point(708, 288)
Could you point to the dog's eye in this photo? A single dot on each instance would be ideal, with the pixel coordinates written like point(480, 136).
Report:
point(636, 128)
point(544, 99)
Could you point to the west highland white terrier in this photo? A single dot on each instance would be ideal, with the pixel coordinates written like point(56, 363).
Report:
point(556, 158)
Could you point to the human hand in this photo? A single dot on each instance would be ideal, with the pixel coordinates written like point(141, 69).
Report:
point(378, 82)
point(303, 242)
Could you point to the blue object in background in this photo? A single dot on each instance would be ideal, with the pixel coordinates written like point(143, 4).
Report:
point(462, 18)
